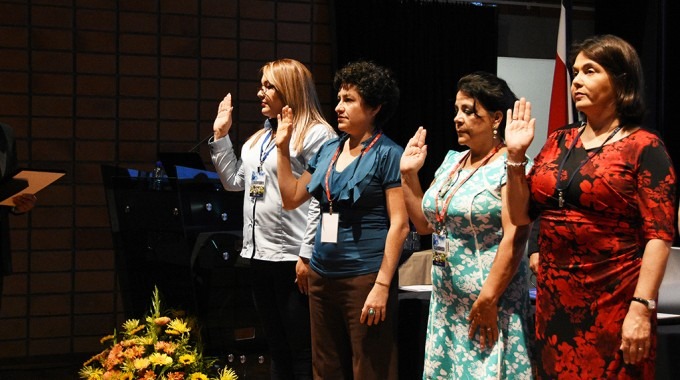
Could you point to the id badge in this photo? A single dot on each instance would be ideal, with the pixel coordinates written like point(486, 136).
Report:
point(258, 180)
point(329, 227)
point(439, 250)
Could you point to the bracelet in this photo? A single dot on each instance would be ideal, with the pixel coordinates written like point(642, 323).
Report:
point(516, 164)
point(382, 283)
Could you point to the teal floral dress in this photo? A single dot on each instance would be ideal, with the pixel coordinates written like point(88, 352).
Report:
point(474, 232)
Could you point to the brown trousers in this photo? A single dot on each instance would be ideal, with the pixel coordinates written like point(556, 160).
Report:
point(342, 347)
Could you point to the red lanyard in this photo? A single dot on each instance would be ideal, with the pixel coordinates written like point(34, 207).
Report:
point(440, 215)
point(335, 157)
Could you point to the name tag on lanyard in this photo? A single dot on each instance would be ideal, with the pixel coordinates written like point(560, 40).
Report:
point(258, 177)
point(257, 184)
point(329, 227)
point(440, 249)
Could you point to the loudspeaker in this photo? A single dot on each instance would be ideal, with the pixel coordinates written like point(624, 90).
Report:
point(223, 295)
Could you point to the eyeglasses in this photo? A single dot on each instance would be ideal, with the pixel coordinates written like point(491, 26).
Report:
point(266, 87)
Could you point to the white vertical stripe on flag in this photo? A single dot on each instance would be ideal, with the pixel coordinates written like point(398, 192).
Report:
point(561, 109)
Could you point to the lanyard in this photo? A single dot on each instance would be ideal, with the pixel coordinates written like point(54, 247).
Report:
point(263, 153)
point(440, 214)
point(560, 189)
point(335, 158)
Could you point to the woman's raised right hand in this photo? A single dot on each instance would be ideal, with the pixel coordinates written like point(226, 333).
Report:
point(223, 120)
point(519, 129)
point(413, 158)
point(285, 128)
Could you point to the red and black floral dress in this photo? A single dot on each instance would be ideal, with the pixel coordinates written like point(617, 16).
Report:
point(591, 248)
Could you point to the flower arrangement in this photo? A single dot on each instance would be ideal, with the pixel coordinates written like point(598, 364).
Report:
point(159, 349)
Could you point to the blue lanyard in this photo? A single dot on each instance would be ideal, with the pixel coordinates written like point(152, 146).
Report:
point(263, 153)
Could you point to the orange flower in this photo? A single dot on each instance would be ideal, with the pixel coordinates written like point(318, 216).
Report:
point(162, 321)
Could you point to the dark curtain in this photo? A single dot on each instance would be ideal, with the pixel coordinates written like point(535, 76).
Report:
point(650, 27)
point(429, 46)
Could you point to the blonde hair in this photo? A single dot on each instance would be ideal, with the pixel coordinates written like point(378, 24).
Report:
point(294, 84)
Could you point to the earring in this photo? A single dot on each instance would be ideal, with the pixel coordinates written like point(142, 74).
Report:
point(495, 132)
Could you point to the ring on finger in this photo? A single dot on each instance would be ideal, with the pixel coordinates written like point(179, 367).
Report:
point(371, 311)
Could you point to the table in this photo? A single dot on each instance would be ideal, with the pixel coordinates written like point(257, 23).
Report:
point(417, 269)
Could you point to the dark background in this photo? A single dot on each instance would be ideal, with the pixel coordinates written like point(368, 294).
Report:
point(87, 83)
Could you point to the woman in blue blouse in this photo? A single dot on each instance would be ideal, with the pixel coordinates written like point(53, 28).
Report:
point(352, 282)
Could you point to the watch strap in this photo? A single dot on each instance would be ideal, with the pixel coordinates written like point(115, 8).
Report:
point(649, 304)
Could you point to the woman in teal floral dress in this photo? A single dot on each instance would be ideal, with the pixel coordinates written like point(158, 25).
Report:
point(477, 327)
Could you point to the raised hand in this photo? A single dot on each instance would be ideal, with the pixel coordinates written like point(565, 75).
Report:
point(223, 120)
point(519, 128)
point(413, 158)
point(285, 128)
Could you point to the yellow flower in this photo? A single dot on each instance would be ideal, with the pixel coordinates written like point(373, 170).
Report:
point(131, 324)
point(227, 374)
point(141, 363)
point(179, 326)
point(160, 359)
point(187, 359)
point(145, 340)
point(126, 358)
point(91, 373)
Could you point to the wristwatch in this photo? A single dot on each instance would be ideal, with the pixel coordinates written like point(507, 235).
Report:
point(650, 304)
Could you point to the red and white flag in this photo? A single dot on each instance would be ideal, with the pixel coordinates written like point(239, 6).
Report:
point(561, 104)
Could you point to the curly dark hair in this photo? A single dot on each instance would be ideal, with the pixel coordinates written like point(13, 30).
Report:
point(374, 83)
point(492, 92)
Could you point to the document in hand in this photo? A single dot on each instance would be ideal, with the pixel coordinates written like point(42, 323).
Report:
point(26, 181)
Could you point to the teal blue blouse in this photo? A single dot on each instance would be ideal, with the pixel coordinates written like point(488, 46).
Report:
point(358, 194)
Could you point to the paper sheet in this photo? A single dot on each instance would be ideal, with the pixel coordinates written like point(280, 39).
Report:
point(37, 180)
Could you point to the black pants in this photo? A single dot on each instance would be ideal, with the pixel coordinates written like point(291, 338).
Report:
point(284, 313)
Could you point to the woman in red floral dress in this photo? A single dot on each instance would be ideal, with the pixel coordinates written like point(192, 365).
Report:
point(604, 193)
